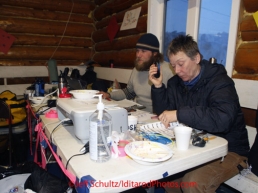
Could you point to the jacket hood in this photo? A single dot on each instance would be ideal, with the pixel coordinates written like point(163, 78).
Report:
point(209, 71)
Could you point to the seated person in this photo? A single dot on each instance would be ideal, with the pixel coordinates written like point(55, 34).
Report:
point(138, 86)
point(202, 96)
point(90, 77)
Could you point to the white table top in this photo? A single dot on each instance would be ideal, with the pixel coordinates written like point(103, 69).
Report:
point(123, 171)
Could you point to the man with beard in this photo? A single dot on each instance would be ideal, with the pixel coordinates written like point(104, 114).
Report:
point(139, 86)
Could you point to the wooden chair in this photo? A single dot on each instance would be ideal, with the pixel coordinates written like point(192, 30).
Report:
point(5, 113)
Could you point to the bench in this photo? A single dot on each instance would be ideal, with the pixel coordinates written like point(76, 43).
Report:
point(248, 183)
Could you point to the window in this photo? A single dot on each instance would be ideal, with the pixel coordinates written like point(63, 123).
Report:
point(175, 21)
point(209, 22)
point(214, 29)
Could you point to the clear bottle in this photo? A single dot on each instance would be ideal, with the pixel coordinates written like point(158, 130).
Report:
point(100, 134)
point(62, 83)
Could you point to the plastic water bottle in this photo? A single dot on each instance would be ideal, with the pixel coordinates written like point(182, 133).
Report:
point(41, 87)
point(100, 134)
point(37, 87)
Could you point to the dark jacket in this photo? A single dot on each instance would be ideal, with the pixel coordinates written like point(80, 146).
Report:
point(211, 105)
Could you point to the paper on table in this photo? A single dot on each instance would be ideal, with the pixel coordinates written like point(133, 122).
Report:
point(143, 116)
point(158, 127)
point(126, 103)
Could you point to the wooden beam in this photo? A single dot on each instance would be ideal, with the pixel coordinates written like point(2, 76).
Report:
point(44, 53)
point(40, 40)
point(251, 6)
point(100, 2)
point(117, 44)
point(245, 60)
point(16, 25)
point(122, 58)
point(44, 14)
point(79, 6)
point(248, 24)
point(249, 35)
point(245, 76)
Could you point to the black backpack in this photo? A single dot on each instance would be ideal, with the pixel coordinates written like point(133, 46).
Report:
point(89, 76)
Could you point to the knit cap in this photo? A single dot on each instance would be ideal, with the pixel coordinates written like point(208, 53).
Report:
point(148, 41)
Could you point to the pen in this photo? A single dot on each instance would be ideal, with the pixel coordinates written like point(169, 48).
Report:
point(209, 138)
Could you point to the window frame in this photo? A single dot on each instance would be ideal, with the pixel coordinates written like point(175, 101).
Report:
point(156, 25)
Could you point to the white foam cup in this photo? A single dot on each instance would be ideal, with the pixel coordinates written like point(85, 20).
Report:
point(132, 122)
point(183, 135)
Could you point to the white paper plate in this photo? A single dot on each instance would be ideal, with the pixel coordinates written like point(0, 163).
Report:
point(38, 100)
point(83, 94)
point(148, 152)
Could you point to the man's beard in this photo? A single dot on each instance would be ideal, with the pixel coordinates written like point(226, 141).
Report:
point(145, 66)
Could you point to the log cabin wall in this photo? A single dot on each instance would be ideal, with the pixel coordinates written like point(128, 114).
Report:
point(122, 48)
point(69, 31)
point(246, 65)
point(46, 29)
point(81, 25)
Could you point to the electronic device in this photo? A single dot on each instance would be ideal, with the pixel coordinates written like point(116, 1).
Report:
point(157, 64)
point(79, 111)
point(198, 141)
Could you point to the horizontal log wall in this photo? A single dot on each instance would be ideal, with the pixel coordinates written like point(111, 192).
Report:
point(42, 32)
point(122, 48)
point(246, 66)
point(44, 29)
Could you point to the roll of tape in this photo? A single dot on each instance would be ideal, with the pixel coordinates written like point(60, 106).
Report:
point(51, 114)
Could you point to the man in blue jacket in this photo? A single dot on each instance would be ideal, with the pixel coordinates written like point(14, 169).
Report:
point(202, 96)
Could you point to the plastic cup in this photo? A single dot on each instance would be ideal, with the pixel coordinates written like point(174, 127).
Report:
point(132, 122)
point(183, 135)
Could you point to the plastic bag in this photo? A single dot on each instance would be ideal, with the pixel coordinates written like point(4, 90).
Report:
point(41, 181)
